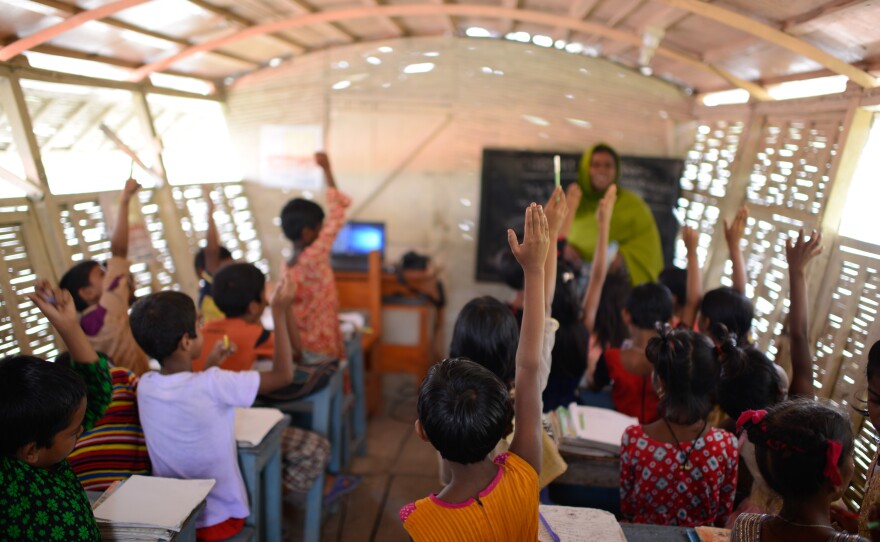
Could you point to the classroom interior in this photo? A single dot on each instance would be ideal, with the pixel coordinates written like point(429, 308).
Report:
point(771, 104)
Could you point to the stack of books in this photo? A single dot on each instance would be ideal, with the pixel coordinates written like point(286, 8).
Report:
point(590, 430)
point(148, 508)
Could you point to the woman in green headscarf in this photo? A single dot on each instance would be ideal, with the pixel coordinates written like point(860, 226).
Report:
point(632, 224)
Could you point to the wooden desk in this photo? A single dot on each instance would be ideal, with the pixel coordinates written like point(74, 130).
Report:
point(654, 533)
point(590, 470)
point(261, 470)
point(371, 291)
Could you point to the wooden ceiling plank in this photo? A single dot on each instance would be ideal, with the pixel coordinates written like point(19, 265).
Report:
point(799, 23)
point(42, 36)
point(777, 37)
point(448, 22)
point(507, 25)
point(624, 12)
point(580, 10)
point(733, 47)
point(116, 23)
point(335, 31)
point(50, 49)
point(292, 44)
point(394, 28)
point(422, 10)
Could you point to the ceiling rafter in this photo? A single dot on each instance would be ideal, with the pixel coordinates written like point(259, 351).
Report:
point(616, 47)
point(777, 37)
point(41, 36)
point(335, 31)
point(732, 47)
point(448, 22)
point(292, 44)
point(579, 10)
point(796, 24)
point(492, 12)
point(393, 27)
point(664, 19)
point(507, 25)
point(56, 50)
point(116, 23)
point(623, 13)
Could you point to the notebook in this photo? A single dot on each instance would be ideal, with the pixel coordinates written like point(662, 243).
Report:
point(253, 424)
point(571, 524)
point(149, 507)
point(593, 428)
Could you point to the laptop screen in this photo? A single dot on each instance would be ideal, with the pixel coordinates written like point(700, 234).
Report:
point(359, 239)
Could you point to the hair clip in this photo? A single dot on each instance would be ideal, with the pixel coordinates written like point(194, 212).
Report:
point(832, 457)
point(751, 417)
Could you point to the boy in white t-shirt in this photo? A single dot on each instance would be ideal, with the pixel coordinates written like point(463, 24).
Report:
point(189, 418)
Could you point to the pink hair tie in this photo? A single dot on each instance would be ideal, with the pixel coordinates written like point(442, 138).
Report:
point(752, 417)
point(832, 457)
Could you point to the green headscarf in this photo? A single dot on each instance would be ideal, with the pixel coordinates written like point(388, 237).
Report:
point(632, 225)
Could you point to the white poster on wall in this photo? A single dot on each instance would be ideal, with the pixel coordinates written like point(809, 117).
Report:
point(287, 156)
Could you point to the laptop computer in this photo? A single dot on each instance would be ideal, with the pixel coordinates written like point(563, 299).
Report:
point(354, 243)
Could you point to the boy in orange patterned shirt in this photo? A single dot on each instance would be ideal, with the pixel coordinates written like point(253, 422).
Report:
point(317, 304)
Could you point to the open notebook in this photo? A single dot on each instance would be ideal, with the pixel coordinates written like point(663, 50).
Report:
point(593, 428)
point(253, 424)
point(149, 507)
point(570, 524)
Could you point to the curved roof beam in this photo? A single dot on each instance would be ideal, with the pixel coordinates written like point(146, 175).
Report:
point(776, 37)
point(420, 10)
point(42, 36)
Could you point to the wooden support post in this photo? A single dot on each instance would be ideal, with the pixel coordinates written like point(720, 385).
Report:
point(736, 194)
point(178, 244)
point(12, 99)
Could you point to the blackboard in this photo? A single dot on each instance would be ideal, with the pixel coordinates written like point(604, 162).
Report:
point(513, 179)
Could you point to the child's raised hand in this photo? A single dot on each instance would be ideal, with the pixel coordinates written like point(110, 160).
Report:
point(606, 207)
point(799, 250)
point(556, 211)
point(131, 187)
point(734, 230)
point(691, 237)
point(219, 352)
point(209, 199)
point(283, 294)
point(56, 304)
point(573, 194)
point(322, 160)
point(532, 252)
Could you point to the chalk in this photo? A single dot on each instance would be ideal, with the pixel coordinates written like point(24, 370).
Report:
point(226, 342)
point(557, 170)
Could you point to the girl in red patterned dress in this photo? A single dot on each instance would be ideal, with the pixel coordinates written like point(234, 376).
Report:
point(678, 470)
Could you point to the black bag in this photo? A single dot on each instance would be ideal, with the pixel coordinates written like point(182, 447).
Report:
point(307, 379)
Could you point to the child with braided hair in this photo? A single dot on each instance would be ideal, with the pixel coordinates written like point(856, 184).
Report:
point(678, 470)
point(804, 452)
